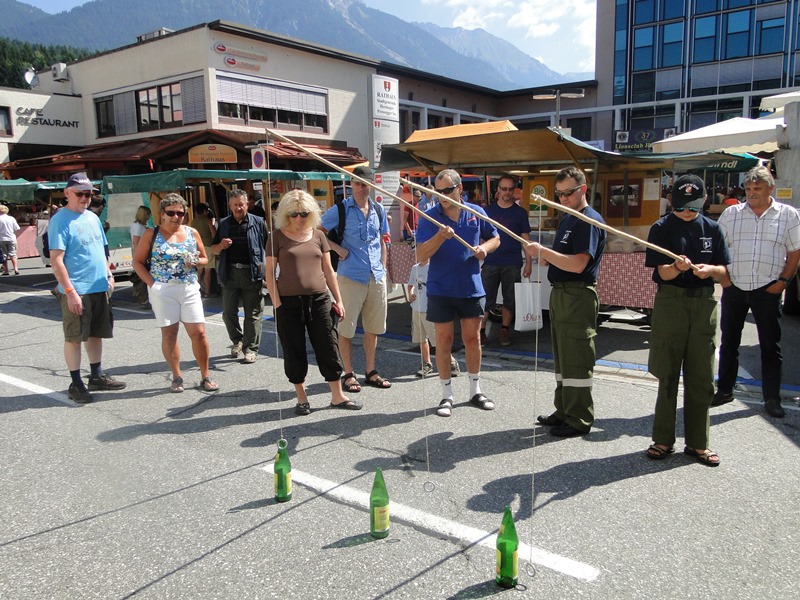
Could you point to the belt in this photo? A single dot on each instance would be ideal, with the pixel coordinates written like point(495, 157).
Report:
point(694, 292)
point(240, 265)
point(566, 284)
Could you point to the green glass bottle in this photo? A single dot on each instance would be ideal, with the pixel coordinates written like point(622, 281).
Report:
point(283, 473)
point(379, 507)
point(507, 546)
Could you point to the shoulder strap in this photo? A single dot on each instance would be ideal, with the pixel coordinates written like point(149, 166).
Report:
point(340, 226)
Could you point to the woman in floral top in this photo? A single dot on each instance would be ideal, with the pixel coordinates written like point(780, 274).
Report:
point(170, 272)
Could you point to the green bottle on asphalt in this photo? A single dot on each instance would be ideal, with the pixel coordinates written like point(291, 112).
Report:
point(283, 473)
point(379, 507)
point(507, 546)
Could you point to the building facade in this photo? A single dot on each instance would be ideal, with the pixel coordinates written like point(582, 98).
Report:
point(669, 66)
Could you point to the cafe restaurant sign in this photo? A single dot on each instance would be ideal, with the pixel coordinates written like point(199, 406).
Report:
point(36, 116)
point(212, 153)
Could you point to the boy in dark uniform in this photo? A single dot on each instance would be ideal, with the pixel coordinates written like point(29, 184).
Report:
point(574, 261)
point(684, 319)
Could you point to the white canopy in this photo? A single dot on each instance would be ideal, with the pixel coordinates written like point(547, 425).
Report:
point(734, 135)
point(779, 100)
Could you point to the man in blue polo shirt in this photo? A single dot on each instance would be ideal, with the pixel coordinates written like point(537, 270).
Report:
point(454, 287)
point(362, 278)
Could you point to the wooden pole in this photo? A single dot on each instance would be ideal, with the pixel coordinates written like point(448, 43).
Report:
point(521, 240)
point(540, 200)
point(315, 156)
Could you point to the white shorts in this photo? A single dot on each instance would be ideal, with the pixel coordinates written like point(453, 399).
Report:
point(421, 328)
point(176, 303)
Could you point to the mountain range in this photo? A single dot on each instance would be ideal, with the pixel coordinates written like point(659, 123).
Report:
point(472, 56)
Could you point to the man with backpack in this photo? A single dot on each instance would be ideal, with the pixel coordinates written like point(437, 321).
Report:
point(362, 276)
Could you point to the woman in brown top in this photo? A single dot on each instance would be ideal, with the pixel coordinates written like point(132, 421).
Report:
point(301, 299)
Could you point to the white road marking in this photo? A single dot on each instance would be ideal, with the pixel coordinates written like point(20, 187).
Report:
point(36, 389)
point(439, 526)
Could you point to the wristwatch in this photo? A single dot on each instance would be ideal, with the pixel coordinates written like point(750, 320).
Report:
point(785, 280)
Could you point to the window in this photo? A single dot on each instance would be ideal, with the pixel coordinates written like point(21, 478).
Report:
point(581, 128)
point(672, 9)
point(705, 39)
point(159, 107)
point(769, 36)
point(643, 87)
point(279, 104)
point(643, 49)
point(645, 11)
point(5, 121)
point(706, 6)
point(737, 34)
point(104, 112)
point(671, 45)
point(737, 3)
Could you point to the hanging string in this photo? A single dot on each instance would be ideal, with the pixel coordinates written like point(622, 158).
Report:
point(267, 199)
point(529, 566)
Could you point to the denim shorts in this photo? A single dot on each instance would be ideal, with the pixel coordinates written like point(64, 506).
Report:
point(442, 309)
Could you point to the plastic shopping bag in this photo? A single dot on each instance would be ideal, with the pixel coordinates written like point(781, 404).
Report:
point(528, 306)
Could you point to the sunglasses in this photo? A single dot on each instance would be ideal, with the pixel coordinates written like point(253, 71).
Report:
point(83, 194)
point(691, 208)
point(566, 193)
point(302, 215)
point(175, 213)
point(446, 191)
point(505, 189)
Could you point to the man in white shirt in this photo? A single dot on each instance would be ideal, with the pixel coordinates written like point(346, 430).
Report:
point(8, 239)
point(763, 238)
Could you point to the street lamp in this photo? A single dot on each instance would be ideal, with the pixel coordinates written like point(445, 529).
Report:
point(557, 95)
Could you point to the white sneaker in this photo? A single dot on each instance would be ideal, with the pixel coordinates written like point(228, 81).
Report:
point(426, 370)
point(249, 358)
point(454, 368)
point(444, 409)
point(236, 350)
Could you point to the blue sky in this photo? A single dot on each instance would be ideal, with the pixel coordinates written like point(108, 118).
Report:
point(559, 33)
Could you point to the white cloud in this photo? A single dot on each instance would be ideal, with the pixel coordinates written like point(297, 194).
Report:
point(472, 18)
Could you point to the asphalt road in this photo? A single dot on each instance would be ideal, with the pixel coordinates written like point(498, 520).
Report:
point(157, 495)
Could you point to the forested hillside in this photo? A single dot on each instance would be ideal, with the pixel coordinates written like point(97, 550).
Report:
point(16, 57)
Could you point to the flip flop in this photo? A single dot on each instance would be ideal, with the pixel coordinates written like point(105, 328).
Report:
point(347, 405)
point(707, 457)
point(657, 453)
point(207, 385)
point(350, 388)
point(379, 382)
point(177, 385)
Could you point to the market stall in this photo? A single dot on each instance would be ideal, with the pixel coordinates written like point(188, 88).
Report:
point(624, 188)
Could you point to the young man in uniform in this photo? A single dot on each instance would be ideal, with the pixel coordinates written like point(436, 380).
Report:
point(684, 320)
point(573, 262)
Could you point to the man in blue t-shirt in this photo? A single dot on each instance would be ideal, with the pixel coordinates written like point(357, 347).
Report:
point(574, 262)
point(78, 251)
point(455, 289)
point(502, 267)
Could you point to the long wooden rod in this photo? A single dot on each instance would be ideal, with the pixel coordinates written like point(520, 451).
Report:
point(521, 240)
point(366, 182)
point(541, 200)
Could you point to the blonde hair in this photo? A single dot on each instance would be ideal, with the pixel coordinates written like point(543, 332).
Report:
point(297, 201)
point(3, 209)
point(142, 215)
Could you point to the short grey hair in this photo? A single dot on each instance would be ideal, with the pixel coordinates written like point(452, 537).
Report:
point(237, 193)
point(455, 178)
point(171, 199)
point(760, 174)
